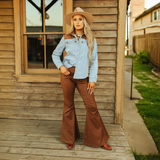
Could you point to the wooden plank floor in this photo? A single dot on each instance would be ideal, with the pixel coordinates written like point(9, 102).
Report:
point(40, 140)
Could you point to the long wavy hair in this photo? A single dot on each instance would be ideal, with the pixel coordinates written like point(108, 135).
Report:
point(87, 31)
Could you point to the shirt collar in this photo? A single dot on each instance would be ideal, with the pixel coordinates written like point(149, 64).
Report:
point(74, 34)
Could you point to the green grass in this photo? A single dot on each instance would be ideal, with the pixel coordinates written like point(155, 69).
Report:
point(129, 56)
point(149, 106)
point(148, 157)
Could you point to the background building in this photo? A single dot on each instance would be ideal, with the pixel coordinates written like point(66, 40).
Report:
point(136, 8)
point(146, 33)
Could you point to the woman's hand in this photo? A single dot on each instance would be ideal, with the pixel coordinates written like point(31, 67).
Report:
point(91, 86)
point(64, 70)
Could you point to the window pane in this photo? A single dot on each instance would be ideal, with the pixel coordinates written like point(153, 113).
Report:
point(35, 50)
point(51, 43)
point(54, 16)
point(156, 15)
point(34, 16)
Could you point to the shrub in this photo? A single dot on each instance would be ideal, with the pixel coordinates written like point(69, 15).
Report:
point(143, 56)
point(134, 56)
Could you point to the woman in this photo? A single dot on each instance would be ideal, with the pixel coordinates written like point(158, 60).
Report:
point(81, 48)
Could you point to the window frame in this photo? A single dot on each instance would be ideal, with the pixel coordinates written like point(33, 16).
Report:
point(156, 12)
point(32, 75)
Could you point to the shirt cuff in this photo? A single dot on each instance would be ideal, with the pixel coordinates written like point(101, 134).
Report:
point(60, 66)
point(93, 79)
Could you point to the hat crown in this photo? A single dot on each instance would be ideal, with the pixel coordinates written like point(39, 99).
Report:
point(78, 9)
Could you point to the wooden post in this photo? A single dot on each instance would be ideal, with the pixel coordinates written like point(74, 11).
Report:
point(16, 4)
point(67, 9)
point(122, 4)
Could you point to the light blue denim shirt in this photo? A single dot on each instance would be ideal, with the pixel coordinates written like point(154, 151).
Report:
point(77, 55)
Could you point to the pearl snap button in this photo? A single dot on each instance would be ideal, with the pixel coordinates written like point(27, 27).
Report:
point(82, 41)
point(75, 41)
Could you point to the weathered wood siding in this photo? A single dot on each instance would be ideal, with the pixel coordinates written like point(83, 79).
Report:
point(150, 42)
point(45, 100)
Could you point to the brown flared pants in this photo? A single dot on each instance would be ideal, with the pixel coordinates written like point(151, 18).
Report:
point(95, 133)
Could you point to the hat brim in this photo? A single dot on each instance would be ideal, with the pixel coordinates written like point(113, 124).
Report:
point(88, 16)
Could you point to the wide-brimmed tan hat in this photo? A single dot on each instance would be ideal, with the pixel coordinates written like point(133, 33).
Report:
point(79, 10)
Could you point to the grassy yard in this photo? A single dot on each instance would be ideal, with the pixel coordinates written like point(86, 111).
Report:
point(149, 106)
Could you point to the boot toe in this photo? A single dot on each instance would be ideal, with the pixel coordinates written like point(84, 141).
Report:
point(70, 145)
point(106, 146)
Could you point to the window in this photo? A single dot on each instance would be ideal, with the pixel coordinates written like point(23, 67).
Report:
point(42, 32)
point(156, 15)
point(39, 26)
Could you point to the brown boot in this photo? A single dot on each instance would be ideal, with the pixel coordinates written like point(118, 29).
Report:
point(106, 146)
point(70, 145)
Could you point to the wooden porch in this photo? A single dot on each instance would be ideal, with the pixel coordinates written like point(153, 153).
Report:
point(40, 140)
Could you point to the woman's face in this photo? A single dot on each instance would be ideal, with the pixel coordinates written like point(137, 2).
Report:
point(78, 21)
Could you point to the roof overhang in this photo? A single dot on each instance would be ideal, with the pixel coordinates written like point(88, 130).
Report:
point(147, 11)
point(148, 26)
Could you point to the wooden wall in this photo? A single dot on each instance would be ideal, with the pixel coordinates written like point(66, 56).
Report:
point(45, 100)
point(150, 42)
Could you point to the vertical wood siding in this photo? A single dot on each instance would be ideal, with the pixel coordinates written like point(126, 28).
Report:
point(45, 100)
point(150, 42)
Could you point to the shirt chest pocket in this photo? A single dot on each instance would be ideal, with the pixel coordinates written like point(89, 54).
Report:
point(70, 43)
point(71, 46)
point(84, 45)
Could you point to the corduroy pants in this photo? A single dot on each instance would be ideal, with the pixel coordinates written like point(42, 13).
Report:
point(95, 133)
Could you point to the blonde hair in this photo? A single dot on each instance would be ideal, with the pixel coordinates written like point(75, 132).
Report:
point(87, 31)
